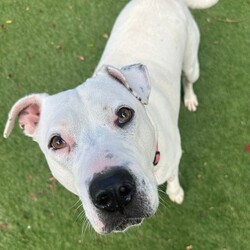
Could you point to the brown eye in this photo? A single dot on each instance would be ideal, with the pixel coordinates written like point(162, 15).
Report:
point(124, 115)
point(57, 142)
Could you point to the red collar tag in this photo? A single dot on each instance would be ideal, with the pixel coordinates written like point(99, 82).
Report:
point(157, 156)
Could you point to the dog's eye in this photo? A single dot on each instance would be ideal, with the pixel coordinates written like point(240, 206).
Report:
point(124, 115)
point(57, 142)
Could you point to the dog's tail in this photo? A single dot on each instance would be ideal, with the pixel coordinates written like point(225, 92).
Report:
point(200, 4)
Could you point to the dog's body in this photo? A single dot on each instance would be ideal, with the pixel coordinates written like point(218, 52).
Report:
point(99, 140)
point(178, 38)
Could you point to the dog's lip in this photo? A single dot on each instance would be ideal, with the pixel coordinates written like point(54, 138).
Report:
point(124, 224)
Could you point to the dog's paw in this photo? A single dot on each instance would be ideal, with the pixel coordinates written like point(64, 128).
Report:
point(191, 101)
point(176, 196)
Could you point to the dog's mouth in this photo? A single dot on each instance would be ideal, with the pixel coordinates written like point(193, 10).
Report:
point(123, 225)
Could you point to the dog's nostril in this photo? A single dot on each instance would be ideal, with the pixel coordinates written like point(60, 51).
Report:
point(112, 190)
point(124, 190)
point(104, 199)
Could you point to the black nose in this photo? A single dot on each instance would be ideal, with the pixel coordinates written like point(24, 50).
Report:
point(112, 190)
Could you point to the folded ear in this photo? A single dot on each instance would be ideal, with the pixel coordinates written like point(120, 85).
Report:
point(135, 78)
point(28, 111)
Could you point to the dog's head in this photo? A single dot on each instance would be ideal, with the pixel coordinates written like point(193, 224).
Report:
point(99, 143)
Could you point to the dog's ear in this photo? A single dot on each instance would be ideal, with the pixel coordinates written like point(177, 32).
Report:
point(27, 110)
point(135, 78)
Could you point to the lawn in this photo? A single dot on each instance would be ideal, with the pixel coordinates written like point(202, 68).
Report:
point(50, 46)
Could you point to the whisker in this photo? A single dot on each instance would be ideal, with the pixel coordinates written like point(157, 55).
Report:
point(80, 216)
point(161, 191)
point(75, 204)
point(83, 216)
point(163, 202)
point(85, 226)
point(77, 208)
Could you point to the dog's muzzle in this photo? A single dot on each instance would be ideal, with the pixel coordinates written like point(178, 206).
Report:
point(118, 201)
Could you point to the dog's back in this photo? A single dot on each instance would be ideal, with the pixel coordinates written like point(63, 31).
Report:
point(154, 33)
point(200, 4)
point(146, 31)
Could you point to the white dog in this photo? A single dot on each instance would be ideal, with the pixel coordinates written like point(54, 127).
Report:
point(102, 139)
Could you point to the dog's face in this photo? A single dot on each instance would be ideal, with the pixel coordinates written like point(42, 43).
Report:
point(99, 143)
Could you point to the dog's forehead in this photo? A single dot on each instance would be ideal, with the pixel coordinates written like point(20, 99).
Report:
point(93, 101)
point(66, 103)
point(102, 91)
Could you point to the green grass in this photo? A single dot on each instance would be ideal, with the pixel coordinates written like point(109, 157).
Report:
point(41, 51)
